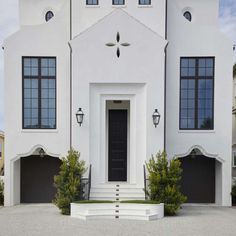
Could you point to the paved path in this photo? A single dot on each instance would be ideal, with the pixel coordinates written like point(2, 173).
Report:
point(45, 220)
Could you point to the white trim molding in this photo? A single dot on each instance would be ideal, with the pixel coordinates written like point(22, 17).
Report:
point(202, 150)
point(34, 150)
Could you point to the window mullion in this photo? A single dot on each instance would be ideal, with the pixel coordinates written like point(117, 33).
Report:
point(39, 95)
point(196, 94)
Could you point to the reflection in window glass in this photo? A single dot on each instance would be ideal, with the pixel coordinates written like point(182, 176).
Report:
point(39, 93)
point(144, 2)
point(92, 2)
point(196, 93)
point(118, 2)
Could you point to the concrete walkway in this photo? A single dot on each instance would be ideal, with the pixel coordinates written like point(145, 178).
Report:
point(38, 220)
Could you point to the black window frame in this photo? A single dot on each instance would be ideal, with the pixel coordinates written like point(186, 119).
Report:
point(47, 17)
point(189, 14)
point(39, 77)
point(145, 4)
point(120, 4)
point(196, 79)
point(234, 159)
point(92, 4)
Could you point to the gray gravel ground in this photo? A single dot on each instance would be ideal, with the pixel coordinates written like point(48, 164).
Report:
point(45, 220)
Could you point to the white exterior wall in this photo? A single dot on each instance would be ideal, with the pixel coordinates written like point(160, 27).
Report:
point(124, 78)
point(152, 16)
point(234, 129)
point(32, 12)
point(34, 41)
point(196, 40)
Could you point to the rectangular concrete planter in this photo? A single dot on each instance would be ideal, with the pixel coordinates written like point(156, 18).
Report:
point(117, 211)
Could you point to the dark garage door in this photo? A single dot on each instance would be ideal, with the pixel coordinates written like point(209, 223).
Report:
point(198, 179)
point(37, 175)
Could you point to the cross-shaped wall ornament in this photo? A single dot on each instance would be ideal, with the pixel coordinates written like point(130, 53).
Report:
point(118, 44)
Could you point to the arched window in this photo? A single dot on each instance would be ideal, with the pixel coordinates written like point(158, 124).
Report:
point(49, 15)
point(188, 16)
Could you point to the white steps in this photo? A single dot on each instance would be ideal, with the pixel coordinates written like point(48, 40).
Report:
point(117, 211)
point(117, 192)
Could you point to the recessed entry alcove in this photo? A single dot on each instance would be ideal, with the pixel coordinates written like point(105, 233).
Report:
point(114, 149)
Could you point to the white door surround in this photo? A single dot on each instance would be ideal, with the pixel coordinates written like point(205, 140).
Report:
point(101, 100)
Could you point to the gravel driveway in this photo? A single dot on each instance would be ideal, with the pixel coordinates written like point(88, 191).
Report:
point(38, 220)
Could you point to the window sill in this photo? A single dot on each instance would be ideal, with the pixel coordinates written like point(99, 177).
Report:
point(197, 131)
point(119, 6)
point(39, 131)
point(92, 6)
point(145, 6)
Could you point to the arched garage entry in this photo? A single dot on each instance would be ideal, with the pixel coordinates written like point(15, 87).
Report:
point(32, 178)
point(37, 178)
point(200, 177)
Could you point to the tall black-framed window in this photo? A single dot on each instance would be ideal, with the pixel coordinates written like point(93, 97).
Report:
point(144, 2)
point(118, 2)
point(91, 2)
point(39, 92)
point(197, 93)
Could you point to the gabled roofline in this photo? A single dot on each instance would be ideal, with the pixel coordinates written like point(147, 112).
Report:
point(114, 12)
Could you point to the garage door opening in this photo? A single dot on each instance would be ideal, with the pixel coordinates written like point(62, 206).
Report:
point(198, 178)
point(37, 178)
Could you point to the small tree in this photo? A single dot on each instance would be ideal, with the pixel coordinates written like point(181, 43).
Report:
point(67, 182)
point(1, 192)
point(164, 182)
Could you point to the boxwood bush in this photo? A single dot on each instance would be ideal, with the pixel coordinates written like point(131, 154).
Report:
point(67, 182)
point(164, 182)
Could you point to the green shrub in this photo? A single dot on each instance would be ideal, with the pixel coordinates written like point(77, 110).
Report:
point(1, 192)
point(164, 182)
point(233, 193)
point(67, 182)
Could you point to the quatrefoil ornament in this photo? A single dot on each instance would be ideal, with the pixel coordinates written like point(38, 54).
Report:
point(118, 44)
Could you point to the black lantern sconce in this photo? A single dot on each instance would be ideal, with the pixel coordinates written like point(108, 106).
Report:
point(80, 116)
point(156, 118)
point(41, 153)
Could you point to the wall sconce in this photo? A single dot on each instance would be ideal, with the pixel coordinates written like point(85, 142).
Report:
point(41, 153)
point(156, 118)
point(80, 116)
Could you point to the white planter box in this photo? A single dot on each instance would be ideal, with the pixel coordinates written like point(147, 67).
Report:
point(117, 211)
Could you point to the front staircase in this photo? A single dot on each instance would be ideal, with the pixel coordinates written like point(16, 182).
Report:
point(117, 192)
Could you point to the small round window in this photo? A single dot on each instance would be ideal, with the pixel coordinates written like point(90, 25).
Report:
point(188, 16)
point(49, 15)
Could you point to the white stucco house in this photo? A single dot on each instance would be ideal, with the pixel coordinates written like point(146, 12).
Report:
point(118, 61)
point(234, 130)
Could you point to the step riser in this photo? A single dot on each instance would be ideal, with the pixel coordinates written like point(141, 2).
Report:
point(114, 190)
point(117, 199)
point(114, 195)
point(109, 217)
point(120, 212)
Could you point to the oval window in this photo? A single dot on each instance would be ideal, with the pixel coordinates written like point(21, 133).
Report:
point(49, 15)
point(188, 16)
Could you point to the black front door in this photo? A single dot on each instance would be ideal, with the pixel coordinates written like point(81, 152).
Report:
point(117, 153)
